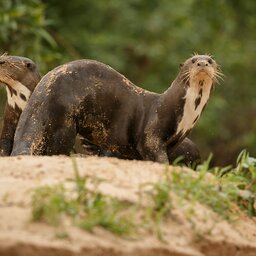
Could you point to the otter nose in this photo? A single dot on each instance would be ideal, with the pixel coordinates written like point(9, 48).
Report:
point(2, 62)
point(202, 63)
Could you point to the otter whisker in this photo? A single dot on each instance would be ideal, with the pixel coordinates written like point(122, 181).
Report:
point(5, 79)
point(219, 76)
point(185, 76)
point(12, 64)
point(186, 72)
point(211, 56)
point(217, 79)
point(186, 80)
point(16, 66)
point(7, 74)
point(4, 55)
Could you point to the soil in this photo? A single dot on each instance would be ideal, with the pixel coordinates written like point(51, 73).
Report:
point(205, 234)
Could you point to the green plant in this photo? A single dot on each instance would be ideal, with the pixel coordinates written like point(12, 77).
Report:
point(158, 196)
point(88, 208)
point(48, 203)
point(198, 187)
point(237, 184)
point(243, 178)
point(224, 190)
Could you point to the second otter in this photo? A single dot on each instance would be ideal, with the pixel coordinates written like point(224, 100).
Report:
point(20, 76)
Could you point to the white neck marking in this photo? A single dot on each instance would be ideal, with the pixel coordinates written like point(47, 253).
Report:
point(191, 112)
point(20, 98)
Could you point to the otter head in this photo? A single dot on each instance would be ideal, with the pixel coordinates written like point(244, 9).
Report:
point(197, 75)
point(20, 75)
point(200, 70)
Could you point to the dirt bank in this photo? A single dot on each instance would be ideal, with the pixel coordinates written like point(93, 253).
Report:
point(205, 235)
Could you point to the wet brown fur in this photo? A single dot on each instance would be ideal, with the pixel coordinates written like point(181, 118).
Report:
point(104, 107)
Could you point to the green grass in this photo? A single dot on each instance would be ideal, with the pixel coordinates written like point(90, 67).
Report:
point(49, 203)
point(243, 180)
point(159, 207)
point(228, 192)
point(88, 208)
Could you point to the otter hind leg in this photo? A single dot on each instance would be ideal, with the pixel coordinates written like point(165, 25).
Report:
point(61, 141)
point(49, 135)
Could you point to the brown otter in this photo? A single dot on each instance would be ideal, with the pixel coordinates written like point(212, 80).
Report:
point(20, 75)
point(89, 98)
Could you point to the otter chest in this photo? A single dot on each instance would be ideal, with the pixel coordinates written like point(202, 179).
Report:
point(196, 98)
point(17, 95)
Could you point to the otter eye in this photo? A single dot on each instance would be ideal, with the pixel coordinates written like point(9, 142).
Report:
point(210, 61)
point(193, 60)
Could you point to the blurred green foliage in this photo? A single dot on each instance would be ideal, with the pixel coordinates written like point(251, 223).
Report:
point(146, 40)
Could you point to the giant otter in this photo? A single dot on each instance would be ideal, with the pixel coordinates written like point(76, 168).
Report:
point(20, 76)
point(89, 98)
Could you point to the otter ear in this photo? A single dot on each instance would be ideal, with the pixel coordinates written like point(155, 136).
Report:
point(30, 65)
point(181, 65)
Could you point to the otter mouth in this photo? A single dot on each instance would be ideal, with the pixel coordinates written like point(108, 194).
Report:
point(203, 72)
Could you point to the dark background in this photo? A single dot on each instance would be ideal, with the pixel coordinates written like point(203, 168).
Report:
point(146, 40)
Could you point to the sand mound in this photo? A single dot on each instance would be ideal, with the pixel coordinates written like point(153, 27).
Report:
point(205, 235)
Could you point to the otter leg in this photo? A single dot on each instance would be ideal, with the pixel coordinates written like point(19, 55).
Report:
point(45, 131)
point(46, 142)
point(187, 149)
point(161, 155)
point(61, 141)
point(9, 126)
point(156, 154)
point(6, 140)
point(61, 129)
point(57, 137)
point(153, 148)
